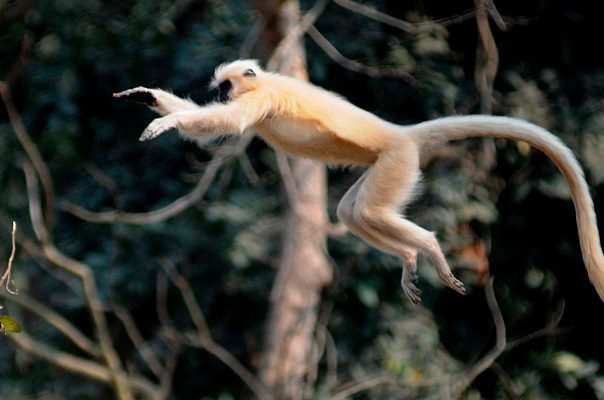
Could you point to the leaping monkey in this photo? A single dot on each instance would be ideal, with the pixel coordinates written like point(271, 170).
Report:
point(304, 120)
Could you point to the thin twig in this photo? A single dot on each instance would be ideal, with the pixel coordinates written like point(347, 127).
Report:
point(31, 150)
point(79, 365)
point(168, 376)
point(487, 56)
point(137, 339)
point(223, 155)
point(84, 272)
point(199, 319)
point(56, 320)
point(550, 329)
point(371, 71)
point(203, 337)
point(6, 279)
point(294, 34)
point(248, 169)
point(506, 381)
point(287, 177)
point(387, 19)
point(494, 13)
point(500, 342)
point(363, 386)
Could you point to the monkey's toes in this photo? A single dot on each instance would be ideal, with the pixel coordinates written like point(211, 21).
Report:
point(450, 280)
point(458, 286)
point(412, 292)
point(139, 95)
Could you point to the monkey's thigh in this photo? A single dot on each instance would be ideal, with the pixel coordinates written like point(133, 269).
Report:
point(388, 186)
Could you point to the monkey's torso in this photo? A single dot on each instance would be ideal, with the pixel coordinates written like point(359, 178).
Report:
point(307, 139)
point(302, 128)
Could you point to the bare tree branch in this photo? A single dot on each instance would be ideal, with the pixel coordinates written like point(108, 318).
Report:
point(550, 329)
point(294, 34)
point(222, 156)
point(6, 280)
point(168, 376)
point(500, 343)
point(56, 320)
point(203, 337)
point(80, 366)
point(84, 272)
point(31, 150)
point(137, 339)
point(287, 178)
point(506, 381)
point(387, 19)
point(487, 56)
point(374, 72)
point(363, 386)
point(195, 312)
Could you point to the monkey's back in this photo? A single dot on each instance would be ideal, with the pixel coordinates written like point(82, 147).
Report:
point(308, 121)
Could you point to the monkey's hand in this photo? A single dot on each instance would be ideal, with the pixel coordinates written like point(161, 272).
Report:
point(140, 95)
point(159, 126)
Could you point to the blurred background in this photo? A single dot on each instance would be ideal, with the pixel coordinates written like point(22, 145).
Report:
point(165, 271)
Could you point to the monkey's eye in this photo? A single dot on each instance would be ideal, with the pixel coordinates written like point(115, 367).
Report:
point(249, 72)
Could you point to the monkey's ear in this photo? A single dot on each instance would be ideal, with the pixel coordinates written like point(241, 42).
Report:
point(249, 72)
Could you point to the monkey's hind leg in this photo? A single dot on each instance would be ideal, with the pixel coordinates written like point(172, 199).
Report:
point(387, 187)
point(409, 278)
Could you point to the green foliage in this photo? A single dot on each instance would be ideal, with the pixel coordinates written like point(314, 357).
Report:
point(7, 323)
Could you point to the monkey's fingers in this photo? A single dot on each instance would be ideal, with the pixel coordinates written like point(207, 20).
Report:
point(156, 128)
point(139, 95)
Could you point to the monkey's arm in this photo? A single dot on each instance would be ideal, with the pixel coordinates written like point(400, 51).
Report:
point(158, 100)
point(213, 119)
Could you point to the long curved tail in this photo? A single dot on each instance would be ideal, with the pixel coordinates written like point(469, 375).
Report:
point(455, 128)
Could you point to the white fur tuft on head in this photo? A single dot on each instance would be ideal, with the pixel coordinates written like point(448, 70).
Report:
point(234, 67)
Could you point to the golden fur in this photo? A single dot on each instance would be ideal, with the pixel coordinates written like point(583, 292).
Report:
point(304, 120)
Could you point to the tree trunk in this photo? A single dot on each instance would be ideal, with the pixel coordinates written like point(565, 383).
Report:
point(304, 269)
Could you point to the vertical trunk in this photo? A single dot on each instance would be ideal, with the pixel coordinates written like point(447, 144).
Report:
point(304, 269)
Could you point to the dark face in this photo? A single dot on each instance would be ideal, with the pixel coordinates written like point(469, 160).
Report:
point(235, 84)
point(223, 91)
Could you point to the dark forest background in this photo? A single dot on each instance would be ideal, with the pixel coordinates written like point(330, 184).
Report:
point(147, 270)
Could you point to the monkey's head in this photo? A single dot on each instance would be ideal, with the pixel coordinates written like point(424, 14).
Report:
point(235, 78)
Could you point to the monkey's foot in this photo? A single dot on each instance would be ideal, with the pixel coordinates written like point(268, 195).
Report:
point(453, 283)
point(409, 285)
point(156, 128)
point(139, 94)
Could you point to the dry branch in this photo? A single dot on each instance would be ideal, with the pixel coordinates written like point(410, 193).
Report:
point(487, 55)
point(373, 72)
point(81, 366)
point(137, 339)
point(203, 336)
point(31, 150)
point(359, 387)
point(6, 280)
point(56, 320)
point(294, 35)
point(85, 274)
point(500, 343)
point(387, 19)
point(222, 156)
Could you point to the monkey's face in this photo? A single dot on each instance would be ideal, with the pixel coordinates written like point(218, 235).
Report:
point(234, 79)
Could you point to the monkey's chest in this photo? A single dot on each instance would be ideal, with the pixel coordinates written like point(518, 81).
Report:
point(311, 140)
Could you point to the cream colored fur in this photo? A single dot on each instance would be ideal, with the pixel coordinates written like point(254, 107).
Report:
point(304, 120)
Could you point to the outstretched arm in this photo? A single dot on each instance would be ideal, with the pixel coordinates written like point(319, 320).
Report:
point(158, 100)
point(210, 120)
